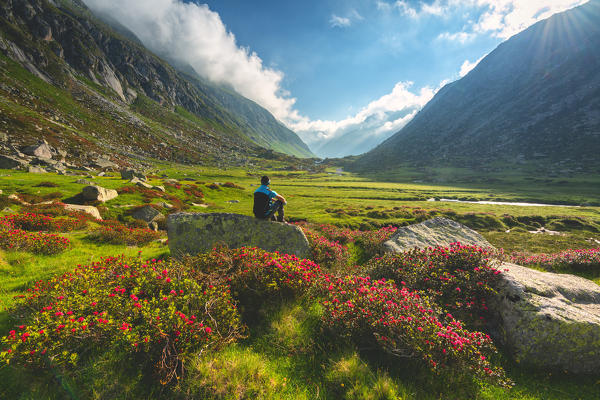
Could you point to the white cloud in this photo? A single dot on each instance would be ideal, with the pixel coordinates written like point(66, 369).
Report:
point(343, 22)
point(193, 34)
point(499, 18)
point(504, 18)
point(461, 37)
point(467, 66)
point(339, 22)
point(378, 115)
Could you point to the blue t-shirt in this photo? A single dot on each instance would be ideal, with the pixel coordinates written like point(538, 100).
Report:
point(265, 189)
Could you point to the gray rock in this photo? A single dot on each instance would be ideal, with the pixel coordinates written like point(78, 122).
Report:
point(8, 162)
point(7, 210)
point(171, 181)
point(232, 201)
point(84, 182)
point(3, 137)
point(93, 211)
point(36, 170)
point(104, 163)
point(98, 193)
point(148, 214)
point(159, 188)
point(101, 173)
point(549, 320)
point(140, 183)
point(166, 205)
point(434, 232)
point(129, 174)
point(192, 233)
point(41, 150)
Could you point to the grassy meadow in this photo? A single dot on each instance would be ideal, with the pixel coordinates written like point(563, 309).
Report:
point(282, 354)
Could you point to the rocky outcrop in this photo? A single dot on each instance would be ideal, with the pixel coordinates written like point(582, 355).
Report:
point(8, 162)
point(93, 211)
point(434, 232)
point(147, 214)
point(41, 150)
point(546, 320)
point(191, 233)
point(549, 320)
point(130, 174)
point(98, 193)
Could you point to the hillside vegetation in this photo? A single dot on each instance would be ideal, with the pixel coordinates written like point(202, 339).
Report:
point(255, 329)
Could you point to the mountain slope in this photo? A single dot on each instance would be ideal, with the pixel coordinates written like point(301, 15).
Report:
point(118, 91)
point(534, 99)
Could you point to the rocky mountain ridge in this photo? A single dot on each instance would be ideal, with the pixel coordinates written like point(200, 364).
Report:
point(69, 78)
point(534, 100)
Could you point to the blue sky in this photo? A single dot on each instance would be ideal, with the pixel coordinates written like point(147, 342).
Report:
point(343, 74)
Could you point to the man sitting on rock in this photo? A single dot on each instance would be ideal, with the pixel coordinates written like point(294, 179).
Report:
point(267, 202)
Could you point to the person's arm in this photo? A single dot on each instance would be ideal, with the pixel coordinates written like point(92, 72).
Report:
point(281, 198)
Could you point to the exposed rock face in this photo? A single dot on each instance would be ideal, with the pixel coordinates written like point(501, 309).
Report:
point(93, 211)
point(8, 162)
point(194, 233)
point(434, 232)
point(550, 320)
point(94, 192)
point(148, 214)
point(129, 174)
point(36, 170)
point(41, 150)
point(546, 320)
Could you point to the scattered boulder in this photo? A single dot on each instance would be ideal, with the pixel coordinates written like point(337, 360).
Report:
point(147, 214)
point(84, 182)
point(549, 320)
point(93, 211)
point(36, 170)
point(103, 163)
point(171, 181)
point(232, 201)
point(129, 174)
point(8, 162)
point(434, 232)
point(41, 150)
point(98, 193)
point(166, 205)
point(192, 233)
point(3, 137)
point(546, 320)
point(159, 188)
point(138, 182)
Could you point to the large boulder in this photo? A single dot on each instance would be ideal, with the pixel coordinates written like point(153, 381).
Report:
point(129, 174)
point(41, 150)
point(431, 233)
point(192, 233)
point(98, 193)
point(545, 320)
point(91, 210)
point(549, 320)
point(8, 162)
point(147, 214)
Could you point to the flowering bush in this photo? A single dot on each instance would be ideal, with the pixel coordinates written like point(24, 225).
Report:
point(117, 233)
point(40, 222)
point(330, 254)
point(128, 305)
point(35, 242)
point(372, 241)
point(584, 260)
point(459, 278)
point(254, 274)
point(406, 325)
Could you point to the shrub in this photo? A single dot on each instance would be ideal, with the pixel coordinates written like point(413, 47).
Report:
point(405, 324)
point(40, 222)
point(35, 198)
point(117, 233)
point(35, 242)
point(213, 186)
point(193, 191)
point(233, 186)
point(372, 241)
point(459, 278)
point(581, 260)
point(329, 254)
point(46, 184)
point(128, 305)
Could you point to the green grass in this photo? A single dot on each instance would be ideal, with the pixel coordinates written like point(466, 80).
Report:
point(285, 355)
